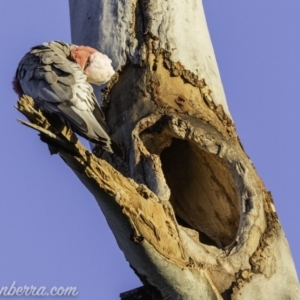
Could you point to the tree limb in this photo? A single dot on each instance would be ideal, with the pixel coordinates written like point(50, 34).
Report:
point(146, 226)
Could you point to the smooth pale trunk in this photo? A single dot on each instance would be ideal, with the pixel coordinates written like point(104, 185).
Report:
point(167, 74)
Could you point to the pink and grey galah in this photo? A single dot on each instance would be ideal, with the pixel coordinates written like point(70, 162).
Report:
point(57, 76)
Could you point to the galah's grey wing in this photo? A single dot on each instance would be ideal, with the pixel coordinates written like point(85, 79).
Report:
point(59, 86)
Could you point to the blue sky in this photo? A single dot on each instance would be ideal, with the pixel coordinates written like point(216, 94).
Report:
point(52, 231)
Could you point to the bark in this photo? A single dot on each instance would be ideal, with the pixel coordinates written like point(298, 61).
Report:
point(186, 205)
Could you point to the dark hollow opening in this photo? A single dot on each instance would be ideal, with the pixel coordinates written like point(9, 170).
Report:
point(203, 192)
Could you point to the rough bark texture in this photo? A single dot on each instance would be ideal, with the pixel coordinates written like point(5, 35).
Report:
point(186, 205)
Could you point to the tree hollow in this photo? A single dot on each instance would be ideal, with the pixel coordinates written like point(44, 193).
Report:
point(203, 192)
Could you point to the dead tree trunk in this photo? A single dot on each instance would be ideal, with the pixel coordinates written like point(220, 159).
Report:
point(186, 205)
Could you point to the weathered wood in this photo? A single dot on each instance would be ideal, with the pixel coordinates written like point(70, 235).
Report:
point(186, 205)
point(168, 109)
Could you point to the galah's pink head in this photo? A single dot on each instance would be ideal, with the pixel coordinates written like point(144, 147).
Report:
point(95, 65)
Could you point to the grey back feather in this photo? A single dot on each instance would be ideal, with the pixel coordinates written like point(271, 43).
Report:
point(59, 86)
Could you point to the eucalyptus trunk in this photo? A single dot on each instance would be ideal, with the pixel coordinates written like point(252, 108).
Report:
point(185, 204)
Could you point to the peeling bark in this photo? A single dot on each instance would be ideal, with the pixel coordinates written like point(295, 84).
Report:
point(186, 205)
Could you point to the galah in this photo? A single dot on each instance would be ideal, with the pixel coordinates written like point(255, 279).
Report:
point(57, 76)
